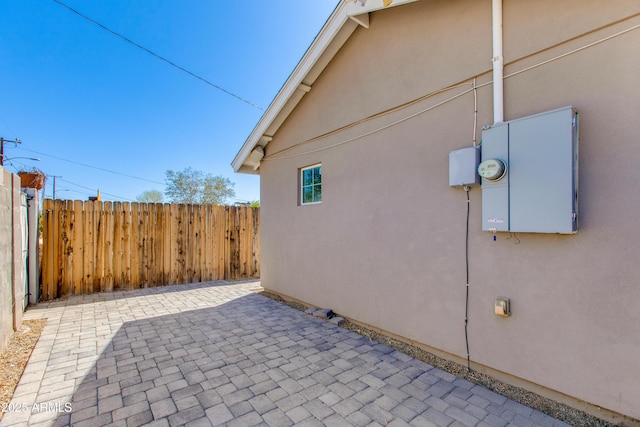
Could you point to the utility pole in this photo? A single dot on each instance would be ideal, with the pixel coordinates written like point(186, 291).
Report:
point(2, 141)
point(54, 184)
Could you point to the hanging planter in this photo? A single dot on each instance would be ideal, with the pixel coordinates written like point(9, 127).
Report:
point(32, 179)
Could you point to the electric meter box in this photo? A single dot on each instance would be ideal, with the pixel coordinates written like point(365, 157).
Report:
point(537, 192)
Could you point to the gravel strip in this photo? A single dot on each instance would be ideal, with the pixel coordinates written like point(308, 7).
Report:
point(15, 357)
point(550, 407)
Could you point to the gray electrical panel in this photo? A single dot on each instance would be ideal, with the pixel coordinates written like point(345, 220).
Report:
point(495, 194)
point(463, 166)
point(538, 192)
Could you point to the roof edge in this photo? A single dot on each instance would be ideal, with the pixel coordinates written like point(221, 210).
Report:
point(347, 11)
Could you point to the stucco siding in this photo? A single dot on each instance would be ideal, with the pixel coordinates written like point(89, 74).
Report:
point(6, 259)
point(12, 278)
point(387, 244)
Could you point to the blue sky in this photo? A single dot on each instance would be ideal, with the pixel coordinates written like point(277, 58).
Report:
point(71, 90)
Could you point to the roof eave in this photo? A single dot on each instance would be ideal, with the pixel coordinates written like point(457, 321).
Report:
point(341, 24)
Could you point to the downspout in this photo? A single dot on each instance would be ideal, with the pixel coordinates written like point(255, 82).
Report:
point(498, 63)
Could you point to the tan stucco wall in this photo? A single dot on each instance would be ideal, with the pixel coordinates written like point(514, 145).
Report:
point(387, 244)
point(11, 269)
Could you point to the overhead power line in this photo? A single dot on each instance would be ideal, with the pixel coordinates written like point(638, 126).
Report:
point(173, 64)
point(94, 190)
point(92, 167)
point(104, 170)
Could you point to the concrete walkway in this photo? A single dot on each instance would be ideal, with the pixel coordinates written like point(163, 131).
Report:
point(219, 354)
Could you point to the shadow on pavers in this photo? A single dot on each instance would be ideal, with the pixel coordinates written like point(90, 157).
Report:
point(224, 363)
point(255, 361)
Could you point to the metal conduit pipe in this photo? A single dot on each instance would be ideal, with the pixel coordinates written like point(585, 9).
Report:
point(498, 63)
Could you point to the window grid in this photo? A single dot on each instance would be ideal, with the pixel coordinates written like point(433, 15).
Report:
point(311, 185)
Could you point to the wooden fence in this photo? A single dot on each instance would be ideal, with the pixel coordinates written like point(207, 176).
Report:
point(104, 246)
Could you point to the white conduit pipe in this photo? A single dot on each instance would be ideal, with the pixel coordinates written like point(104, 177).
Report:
point(498, 63)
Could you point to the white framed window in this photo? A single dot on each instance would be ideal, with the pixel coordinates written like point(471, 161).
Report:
point(311, 184)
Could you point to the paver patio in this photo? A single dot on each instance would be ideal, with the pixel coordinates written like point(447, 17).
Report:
point(219, 354)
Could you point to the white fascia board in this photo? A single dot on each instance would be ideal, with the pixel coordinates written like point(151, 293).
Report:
point(343, 13)
point(322, 40)
point(358, 7)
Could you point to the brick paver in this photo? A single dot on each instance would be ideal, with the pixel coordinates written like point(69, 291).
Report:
point(219, 354)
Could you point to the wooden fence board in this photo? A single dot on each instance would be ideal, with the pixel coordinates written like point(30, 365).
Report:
point(47, 249)
point(218, 239)
point(99, 224)
point(245, 243)
point(183, 230)
point(166, 249)
point(150, 248)
point(227, 242)
point(125, 275)
point(143, 245)
point(221, 237)
point(176, 239)
point(135, 243)
point(204, 274)
point(58, 256)
point(117, 244)
point(108, 247)
point(255, 243)
point(103, 246)
point(209, 243)
point(89, 247)
point(187, 242)
point(196, 247)
point(77, 221)
point(175, 250)
point(158, 245)
point(66, 262)
point(234, 219)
